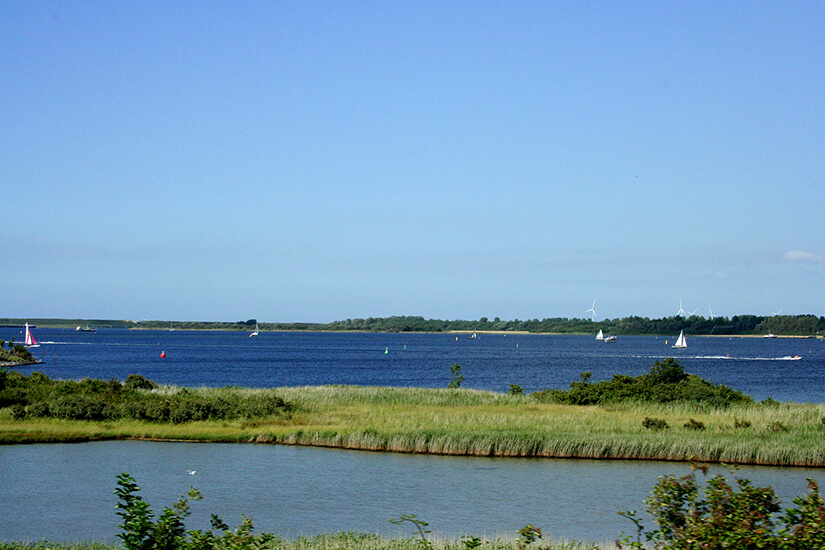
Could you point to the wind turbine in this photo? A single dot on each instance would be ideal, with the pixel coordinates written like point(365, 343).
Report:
point(777, 312)
point(711, 314)
point(592, 310)
point(692, 313)
point(681, 312)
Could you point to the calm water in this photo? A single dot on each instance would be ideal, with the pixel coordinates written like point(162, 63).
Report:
point(293, 491)
point(757, 366)
point(64, 492)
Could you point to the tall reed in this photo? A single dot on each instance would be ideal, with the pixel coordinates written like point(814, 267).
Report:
point(474, 422)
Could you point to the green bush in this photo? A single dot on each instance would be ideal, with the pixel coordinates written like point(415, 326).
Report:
point(655, 423)
point(78, 407)
point(40, 409)
point(727, 516)
point(456, 378)
point(168, 532)
point(667, 371)
point(666, 382)
point(137, 382)
point(737, 423)
point(18, 411)
point(94, 400)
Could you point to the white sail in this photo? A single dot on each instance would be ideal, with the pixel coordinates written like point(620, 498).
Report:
point(30, 342)
point(600, 335)
point(256, 331)
point(681, 342)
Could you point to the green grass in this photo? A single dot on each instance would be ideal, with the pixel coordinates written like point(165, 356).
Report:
point(473, 422)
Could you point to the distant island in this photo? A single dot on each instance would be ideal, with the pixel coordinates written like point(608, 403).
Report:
point(739, 325)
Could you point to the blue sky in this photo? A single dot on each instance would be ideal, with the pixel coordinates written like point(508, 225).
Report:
point(315, 161)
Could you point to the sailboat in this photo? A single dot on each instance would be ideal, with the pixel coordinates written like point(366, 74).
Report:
point(256, 331)
point(681, 342)
point(600, 335)
point(30, 342)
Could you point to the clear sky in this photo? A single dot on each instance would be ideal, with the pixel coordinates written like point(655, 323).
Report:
point(315, 161)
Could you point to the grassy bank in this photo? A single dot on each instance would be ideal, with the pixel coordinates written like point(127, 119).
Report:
point(471, 422)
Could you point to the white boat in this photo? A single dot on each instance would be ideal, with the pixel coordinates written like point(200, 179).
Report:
point(30, 342)
point(473, 335)
point(770, 335)
point(681, 342)
point(608, 339)
point(256, 331)
point(600, 335)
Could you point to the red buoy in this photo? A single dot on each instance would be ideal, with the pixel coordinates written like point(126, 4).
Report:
point(163, 355)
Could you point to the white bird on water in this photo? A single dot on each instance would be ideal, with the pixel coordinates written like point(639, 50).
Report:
point(191, 472)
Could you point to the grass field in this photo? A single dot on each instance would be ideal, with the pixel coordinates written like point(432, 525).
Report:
point(472, 422)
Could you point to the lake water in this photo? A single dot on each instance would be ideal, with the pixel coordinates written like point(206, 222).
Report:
point(759, 367)
point(64, 492)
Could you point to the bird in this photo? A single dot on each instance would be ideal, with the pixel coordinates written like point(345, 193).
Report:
point(191, 472)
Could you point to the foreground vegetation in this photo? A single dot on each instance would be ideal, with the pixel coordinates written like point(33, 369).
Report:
point(334, 541)
point(682, 418)
point(790, 325)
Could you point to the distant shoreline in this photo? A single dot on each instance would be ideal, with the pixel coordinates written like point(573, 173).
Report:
point(783, 326)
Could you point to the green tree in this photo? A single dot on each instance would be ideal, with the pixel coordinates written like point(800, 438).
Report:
point(456, 378)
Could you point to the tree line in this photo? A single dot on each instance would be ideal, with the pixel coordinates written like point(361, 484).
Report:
point(780, 325)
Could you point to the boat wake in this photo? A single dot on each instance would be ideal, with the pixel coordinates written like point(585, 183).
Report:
point(82, 343)
point(711, 357)
point(785, 358)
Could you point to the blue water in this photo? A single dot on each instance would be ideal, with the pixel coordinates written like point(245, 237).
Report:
point(64, 492)
point(759, 367)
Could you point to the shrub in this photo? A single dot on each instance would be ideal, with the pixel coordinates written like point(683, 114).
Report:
point(137, 382)
point(741, 423)
point(140, 532)
point(655, 423)
point(692, 424)
point(666, 382)
point(777, 427)
point(456, 378)
point(188, 410)
point(545, 396)
point(18, 411)
point(515, 389)
point(262, 405)
point(77, 407)
point(94, 400)
point(13, 396)
point(727, 516)
point(667, 371)
point(40, 409)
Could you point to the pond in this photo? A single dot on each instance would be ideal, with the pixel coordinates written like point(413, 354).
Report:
point(64, 492)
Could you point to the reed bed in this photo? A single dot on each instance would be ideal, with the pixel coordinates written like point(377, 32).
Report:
point(481, 423)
